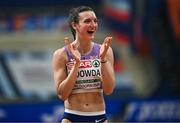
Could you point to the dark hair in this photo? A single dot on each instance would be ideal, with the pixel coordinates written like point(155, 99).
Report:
point(74, 16)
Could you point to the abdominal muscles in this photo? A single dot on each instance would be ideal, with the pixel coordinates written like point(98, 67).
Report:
point(86, 102)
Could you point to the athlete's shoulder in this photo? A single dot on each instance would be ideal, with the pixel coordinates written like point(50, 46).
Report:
point(59, 53)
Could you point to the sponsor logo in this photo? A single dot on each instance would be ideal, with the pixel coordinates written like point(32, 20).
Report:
point(100, 120)
point(85, 64)
point(95, 63)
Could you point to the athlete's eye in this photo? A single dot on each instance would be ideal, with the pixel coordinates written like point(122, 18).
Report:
point(96, 21)
point(87, 21)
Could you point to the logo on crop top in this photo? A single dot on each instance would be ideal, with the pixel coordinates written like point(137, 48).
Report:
point(85, 64)
point(95, 63)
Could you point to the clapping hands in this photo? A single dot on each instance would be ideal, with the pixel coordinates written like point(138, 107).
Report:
point(73, 49)
point(104, 48)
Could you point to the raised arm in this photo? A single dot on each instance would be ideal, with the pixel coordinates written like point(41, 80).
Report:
point(107, 66)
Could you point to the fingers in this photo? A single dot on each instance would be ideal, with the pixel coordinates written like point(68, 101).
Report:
point(108, 41)
point(105, 46)
point(66, 41)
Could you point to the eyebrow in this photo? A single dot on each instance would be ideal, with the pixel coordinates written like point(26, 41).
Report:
point(90, 19)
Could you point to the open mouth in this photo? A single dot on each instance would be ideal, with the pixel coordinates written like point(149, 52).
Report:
point(90, 32)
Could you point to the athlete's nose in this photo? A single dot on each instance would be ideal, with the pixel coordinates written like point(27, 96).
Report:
point(93, 25)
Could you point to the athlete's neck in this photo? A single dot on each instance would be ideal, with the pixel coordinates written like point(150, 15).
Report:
point(84, 47)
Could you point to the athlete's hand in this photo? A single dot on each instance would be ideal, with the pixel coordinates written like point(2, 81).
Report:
point(104, 48)
point(73, 49)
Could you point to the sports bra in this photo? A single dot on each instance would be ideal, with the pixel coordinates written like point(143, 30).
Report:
point(89, 75)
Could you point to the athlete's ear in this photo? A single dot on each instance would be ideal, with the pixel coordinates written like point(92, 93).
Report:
point(73, 24)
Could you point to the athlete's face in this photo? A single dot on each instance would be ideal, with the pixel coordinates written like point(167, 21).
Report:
point(87, 26)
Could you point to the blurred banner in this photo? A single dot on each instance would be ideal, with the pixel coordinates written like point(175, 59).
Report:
point(151, 110)
point(31, 112)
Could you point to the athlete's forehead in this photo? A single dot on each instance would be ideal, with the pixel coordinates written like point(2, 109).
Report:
point(87, 15)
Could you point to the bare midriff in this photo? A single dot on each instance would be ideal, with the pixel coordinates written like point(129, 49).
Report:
point(85, 102)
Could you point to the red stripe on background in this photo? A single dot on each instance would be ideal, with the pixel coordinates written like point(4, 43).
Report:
point(122, 16)
point(123, 39)
point(118, 66)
